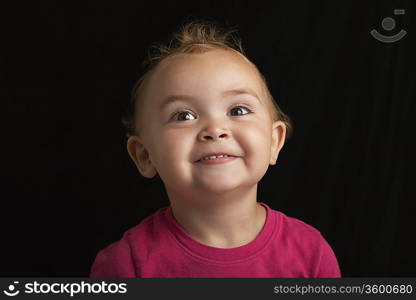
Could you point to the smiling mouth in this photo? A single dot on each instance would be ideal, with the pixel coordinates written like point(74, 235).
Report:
point(214, 157)
point(216, 160)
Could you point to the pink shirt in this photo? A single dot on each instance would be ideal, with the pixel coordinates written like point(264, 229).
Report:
point(158, 247)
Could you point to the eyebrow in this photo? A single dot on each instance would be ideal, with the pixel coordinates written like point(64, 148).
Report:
point(234, 92)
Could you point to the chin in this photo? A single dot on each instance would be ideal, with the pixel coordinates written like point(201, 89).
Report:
point(218, 188)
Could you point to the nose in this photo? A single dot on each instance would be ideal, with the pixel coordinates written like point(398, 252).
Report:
point(214, 133)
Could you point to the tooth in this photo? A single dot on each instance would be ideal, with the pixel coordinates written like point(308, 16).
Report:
point(215, 157)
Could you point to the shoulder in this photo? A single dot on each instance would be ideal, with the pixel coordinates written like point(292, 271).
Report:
point(297, 230)
point(113, 261)
point(305, 241)
point(120, 258)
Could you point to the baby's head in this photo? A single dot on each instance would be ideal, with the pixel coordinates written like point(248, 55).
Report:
point(201, 95)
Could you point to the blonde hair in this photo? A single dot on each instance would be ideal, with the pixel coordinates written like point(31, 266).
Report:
point(193, 37)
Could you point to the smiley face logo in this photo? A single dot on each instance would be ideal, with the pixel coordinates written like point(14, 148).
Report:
point(11, 290)
point(388, 24)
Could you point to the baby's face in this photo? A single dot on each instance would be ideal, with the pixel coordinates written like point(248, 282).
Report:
point(195, 104)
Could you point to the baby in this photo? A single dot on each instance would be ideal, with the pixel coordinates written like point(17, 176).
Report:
point(203, 119)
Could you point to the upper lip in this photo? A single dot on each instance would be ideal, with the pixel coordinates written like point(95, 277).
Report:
point(214, 154)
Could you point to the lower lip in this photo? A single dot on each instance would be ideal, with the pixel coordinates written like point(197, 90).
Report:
point(216, 161)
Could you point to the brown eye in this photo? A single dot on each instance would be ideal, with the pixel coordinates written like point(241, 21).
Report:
point(238, 108)
point(182, 116)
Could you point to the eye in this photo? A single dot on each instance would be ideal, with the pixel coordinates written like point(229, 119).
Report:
point(240, 107)
point(185, 115)
point(177, 116)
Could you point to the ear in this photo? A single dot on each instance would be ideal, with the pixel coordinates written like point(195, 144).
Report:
point(140, 156)
point(278, 139)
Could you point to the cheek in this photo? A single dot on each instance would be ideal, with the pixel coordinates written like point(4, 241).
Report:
point(175, 146)
point(257, 147)
point(175, 157)
point(257, 137)
point(256, 141)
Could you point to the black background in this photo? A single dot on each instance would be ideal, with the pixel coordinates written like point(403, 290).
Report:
point(70, 188)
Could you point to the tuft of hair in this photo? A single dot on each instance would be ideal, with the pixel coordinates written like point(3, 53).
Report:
point(194, 37)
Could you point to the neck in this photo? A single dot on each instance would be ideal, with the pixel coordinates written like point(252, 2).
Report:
point(225, 220)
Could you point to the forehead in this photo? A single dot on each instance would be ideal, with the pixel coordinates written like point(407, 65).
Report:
point(209, 72)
